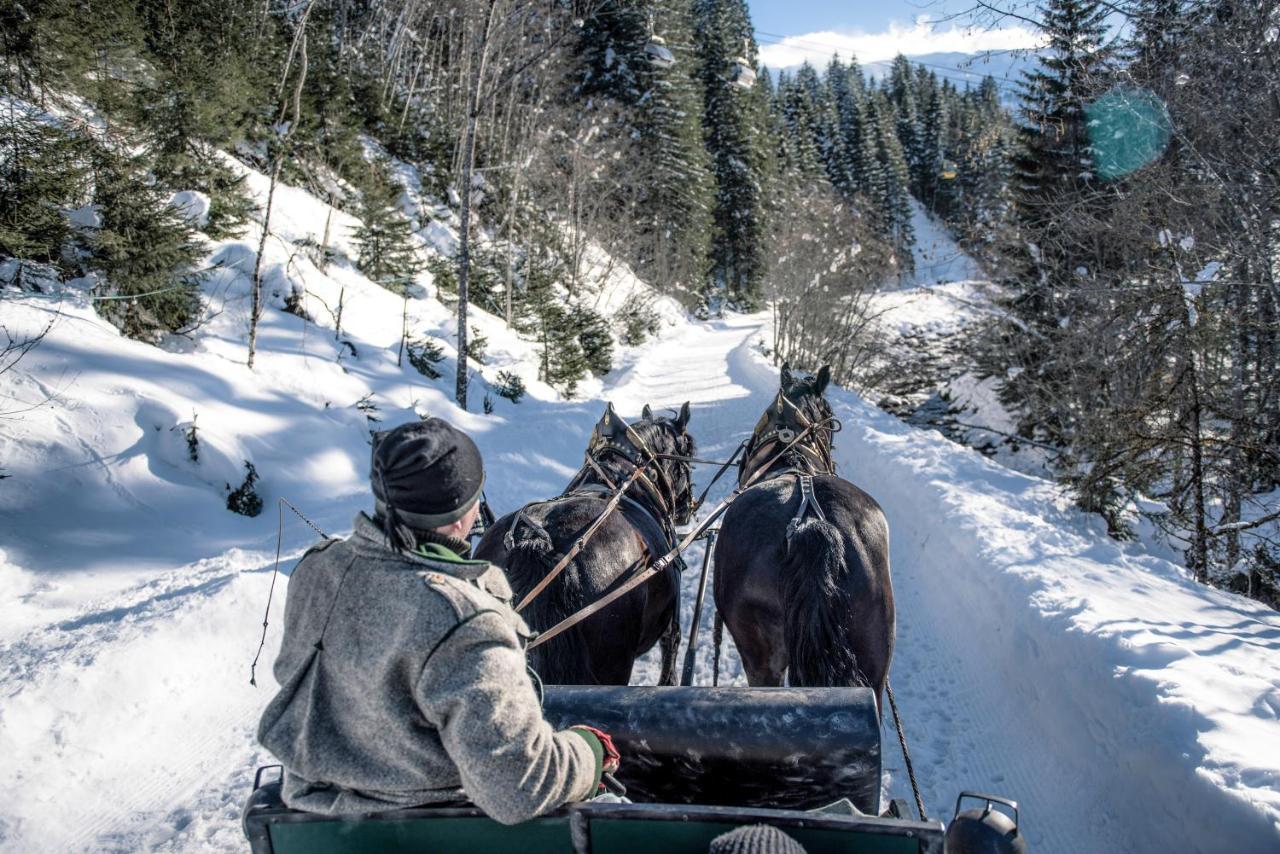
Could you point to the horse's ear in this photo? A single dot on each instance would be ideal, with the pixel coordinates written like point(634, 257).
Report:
point(786, 375)
point(646, 413)
point(682, 420)
point(824, 377)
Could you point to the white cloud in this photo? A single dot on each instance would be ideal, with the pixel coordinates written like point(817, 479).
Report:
point(920, 38)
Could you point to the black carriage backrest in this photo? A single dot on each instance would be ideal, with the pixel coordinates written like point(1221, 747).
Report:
point(793, 748)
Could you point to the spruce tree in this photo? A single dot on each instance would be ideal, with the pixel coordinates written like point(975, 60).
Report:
point(42, 175)
point(733, 121)
point(147, 252)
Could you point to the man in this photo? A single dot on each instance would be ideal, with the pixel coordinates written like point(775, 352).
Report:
point(402, 670)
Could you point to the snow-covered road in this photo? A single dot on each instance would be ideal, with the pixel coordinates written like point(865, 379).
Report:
point(1125, 707)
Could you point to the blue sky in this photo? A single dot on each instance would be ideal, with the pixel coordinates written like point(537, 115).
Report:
point(792, 31)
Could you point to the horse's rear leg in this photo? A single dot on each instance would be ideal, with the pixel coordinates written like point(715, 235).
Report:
point(760, 646)
point(670, 650)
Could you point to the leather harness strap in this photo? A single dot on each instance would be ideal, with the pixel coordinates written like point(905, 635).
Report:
point(641, 456)
point(807, 501)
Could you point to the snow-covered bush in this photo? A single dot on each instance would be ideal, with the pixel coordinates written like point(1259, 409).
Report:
point(510, 386)
point(424, 355)
point(244, 499)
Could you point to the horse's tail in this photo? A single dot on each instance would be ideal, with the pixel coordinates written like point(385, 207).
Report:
point(816, 608)
point(531, 554)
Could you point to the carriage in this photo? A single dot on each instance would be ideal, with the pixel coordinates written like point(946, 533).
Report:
point(699, 761)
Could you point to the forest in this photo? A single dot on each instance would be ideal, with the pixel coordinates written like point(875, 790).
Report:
point(1124, 196)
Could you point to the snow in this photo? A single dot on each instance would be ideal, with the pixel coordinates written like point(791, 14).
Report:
point(1123, 705)
point(938, 258)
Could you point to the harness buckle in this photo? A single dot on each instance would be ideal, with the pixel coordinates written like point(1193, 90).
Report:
point(786, 434)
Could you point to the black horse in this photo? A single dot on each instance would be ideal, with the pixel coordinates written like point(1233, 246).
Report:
point(602, 649)
point(802, 560)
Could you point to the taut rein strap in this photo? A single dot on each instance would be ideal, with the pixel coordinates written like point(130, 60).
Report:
point(578, 546)
point(641, 458)
point(661, 563)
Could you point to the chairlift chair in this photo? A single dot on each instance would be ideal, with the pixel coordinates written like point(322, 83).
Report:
point(949, 170)
point(658, 54)
point(743, 75)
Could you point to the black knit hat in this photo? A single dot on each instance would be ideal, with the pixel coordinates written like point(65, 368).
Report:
point(755, 839)
point(425, 474)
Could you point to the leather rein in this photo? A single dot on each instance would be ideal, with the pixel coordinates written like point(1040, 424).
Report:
point(661, 493)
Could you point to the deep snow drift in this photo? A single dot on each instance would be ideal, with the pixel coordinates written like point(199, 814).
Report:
point(1124, 706)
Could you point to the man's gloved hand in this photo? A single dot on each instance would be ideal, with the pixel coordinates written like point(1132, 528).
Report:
point(609, 756)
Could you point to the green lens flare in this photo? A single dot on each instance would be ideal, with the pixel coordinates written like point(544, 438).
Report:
point(1128, 129)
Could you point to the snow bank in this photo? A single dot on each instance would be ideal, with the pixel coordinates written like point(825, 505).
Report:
point(938, 258)
point(1124, 705)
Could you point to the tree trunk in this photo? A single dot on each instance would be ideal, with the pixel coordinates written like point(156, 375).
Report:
point(481, 50)
point(255, 311)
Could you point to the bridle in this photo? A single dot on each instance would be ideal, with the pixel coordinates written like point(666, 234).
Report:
point(658, 489)
point(775, 429)
point(650, 476)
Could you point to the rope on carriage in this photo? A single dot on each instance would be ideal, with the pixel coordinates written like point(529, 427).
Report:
point(906, 754)
point(281, 504)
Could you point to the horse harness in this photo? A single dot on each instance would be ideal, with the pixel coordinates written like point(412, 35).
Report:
point(806, 462)
point(636, 452)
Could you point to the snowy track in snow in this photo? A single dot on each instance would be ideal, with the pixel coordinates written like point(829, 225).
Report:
point(1126, 708)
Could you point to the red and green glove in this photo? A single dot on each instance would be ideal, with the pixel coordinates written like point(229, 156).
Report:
point(607, 757)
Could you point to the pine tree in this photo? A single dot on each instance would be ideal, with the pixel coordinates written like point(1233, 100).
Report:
point(546, 318)
point(1054, 174)
point(891, 191)
point(42, 174)
point(796, 109)
point(732, 124)
point(901, 89)
point(933, 134)
point(147, 252)
point(384, 238)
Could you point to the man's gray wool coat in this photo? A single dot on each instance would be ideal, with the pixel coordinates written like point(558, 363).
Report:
point(403, 682)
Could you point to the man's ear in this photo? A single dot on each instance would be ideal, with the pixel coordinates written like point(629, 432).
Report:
point(824, 377)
